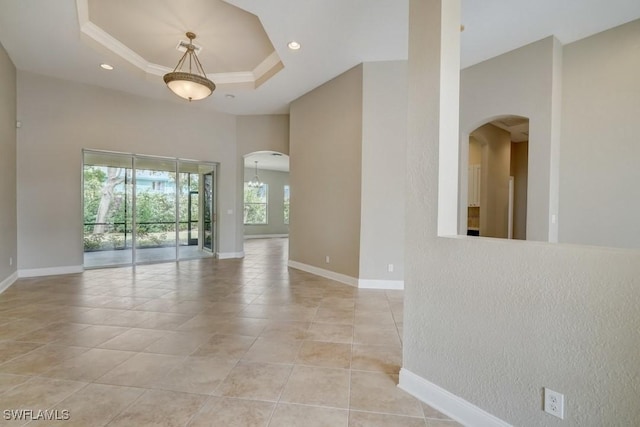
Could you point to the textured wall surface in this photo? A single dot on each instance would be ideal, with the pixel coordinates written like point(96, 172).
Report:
point(494, 321)
point(599, 170)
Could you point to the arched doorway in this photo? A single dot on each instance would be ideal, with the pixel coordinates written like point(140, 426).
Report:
point(498, 178)
point(266, 194)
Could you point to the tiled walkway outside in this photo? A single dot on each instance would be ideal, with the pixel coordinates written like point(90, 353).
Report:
point(205, 343)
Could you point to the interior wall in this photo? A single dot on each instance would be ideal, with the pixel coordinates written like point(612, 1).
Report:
point(475, 152)
point(276, 181)
point(384, 134)
point(599, 171)
point(509, 317)
point(256, 133)
point(519, 83)
point(520, 172)
point(268, 132)
point(60, 118)
point(8, 217)
point(325, 174)
point(495, 168)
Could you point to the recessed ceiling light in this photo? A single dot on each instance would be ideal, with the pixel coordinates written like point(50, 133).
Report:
point(294, 45)
point(229, 96)
point(106, 67)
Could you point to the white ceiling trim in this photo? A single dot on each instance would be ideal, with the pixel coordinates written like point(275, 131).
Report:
point(105, 40)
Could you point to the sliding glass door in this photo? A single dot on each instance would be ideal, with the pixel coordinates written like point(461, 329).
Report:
point(108, 191)
point(209, 211)
point(155, 210)
point(195, 199)
point(142, 209)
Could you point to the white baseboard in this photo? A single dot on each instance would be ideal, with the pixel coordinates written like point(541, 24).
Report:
point(381, 284)
point(4, 285)
point(348, 280)
point(264, 236)
point(342, 278)
point(229, 255)
point(50, 271)
point(446, 402)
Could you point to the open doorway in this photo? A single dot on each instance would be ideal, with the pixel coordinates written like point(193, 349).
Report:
point(498, 179)
point(266, 194)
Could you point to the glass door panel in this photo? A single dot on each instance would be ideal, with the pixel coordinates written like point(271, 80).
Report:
point(155, 210)
point(189, 214)
point(208, 212)
point(107, 210)
point(194, 218)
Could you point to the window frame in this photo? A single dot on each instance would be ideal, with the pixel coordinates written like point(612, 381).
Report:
point(265, 203)
point(286, 208)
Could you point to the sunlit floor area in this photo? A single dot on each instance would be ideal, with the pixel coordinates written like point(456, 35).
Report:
point(205, 343)
point(124, 256)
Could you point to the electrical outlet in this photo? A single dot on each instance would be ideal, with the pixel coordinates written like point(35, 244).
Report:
point(327, 259)
point(10, 261)
point(390, 268)
point(554, 403)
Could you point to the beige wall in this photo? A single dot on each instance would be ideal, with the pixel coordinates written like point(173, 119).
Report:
point(475, 153)
point(61, 118)
point(495, 168)
point(384, 138)
point(520, 83)
point(494, 321)
point(256, 133)
point(325, 153)
point(263, 133)
point(275, 207)
point(520, 171)
point(600, 153)
point(8, 219)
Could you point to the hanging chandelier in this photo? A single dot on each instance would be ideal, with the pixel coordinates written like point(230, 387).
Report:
point(191, 85)
point(255, 181)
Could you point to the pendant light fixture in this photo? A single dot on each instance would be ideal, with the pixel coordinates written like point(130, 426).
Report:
point(191, 85)
point(255, 181)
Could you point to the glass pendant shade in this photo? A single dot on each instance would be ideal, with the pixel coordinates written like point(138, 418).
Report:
point(189, 85)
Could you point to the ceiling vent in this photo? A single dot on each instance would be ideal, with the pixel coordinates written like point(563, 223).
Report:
point(182, 47)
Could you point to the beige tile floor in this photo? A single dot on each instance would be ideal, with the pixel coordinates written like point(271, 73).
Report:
point(206, 343)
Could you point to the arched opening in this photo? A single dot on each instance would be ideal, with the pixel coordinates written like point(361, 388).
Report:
point(498, 178)
point(266, 195)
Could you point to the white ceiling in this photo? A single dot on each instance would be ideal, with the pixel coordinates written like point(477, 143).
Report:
point(44, 37)
point(269, 160)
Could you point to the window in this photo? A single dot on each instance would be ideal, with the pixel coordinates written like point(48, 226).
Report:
point(255, 204)
point(286, 204)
